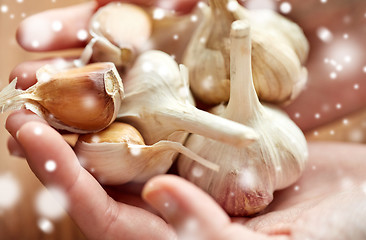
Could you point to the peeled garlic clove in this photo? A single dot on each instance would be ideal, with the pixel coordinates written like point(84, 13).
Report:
point(79, 100)
point(279, 51)
point(248, 175)
point(158, 103)
point(118, 155)
point(118, 30)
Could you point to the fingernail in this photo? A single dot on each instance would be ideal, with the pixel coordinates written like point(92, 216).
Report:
point(160, 199)
point(17, 134)
point(16, 153)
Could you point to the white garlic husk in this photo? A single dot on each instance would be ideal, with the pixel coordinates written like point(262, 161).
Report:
point(80, 100)
point(118, 155)
point(118, 31)
point(158, 103)
point(248, 175)
point(279, 50)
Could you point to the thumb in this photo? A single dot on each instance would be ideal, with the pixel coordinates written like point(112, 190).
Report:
point(191, 212)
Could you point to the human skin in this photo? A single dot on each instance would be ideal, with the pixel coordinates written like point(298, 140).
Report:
point(327, 202)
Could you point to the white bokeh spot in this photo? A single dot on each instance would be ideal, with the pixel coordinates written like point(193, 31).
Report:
point(197, 172)
point(45, 225)
point(89, 102)
point(324, 34)
point(147, 67)
point(82, 35)
point(194, 18)
point(135, 150)
point(158, 14)
point(285, 7)
point(50, 166)
point(4, 8)
point(260, 4)
point(9, 191)
point(232, 5)
point(51, 203)
point(248, 179)
point(38, 131)
point(35, 44)
point(57, 26)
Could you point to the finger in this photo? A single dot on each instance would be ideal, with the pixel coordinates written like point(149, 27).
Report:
point(26, 71)
point(56, 29)
point(18, 118)
point(14, 148)
point(186, 207)
point(97, 215)
point(14, 121)
point(182, 6)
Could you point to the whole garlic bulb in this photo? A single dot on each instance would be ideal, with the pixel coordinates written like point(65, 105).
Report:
point(79, 100)
point(118, 154)
point(248, 175)
point(279, 49)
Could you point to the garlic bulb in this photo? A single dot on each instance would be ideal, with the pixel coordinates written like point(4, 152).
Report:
point(279, 49)
point(248, 175)
point(158, 103)
point(118, 31)
point(79, 100)
point(118, 155)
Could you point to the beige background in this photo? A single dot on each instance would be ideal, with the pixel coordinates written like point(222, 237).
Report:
point(20, 221)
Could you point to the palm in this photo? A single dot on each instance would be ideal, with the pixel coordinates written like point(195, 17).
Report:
point(322, 197)
point(332, 182)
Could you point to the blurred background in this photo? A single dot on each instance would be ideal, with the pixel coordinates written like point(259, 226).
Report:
point(26, 209)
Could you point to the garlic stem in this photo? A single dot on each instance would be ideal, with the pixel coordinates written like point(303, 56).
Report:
point(163, 145)
point(219, 5)
point(242, 88)
point(199, 122)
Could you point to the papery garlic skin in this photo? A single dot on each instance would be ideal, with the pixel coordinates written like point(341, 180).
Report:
point(79, 100)
point(118, 31)
point(248, 175)
point(279, 50)
point(119, 155)
point(158, 103)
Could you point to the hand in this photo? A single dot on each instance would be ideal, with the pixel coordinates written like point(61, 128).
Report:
point(292, 211)
point(328, 202)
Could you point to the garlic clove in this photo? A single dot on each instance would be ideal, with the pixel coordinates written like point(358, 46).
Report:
point(209, 83)
point(279, 52)
point(248, 175)
point(100, 49)
point(157, 103)
point(118, 31)
point(172, 31)
point(118, 155)
point(79, 100)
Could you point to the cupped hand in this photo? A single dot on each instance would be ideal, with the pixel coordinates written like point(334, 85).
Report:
point(328, 202)
point(332, 183)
